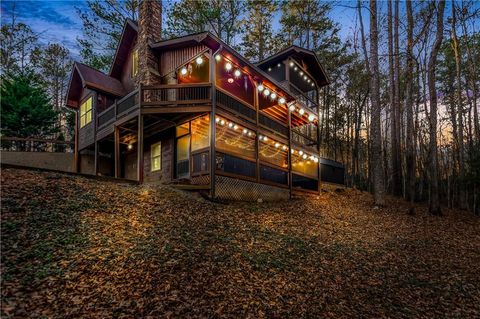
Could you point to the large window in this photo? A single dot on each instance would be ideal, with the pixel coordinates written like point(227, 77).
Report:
point(86, 112)
point(273, 152)
point(134, 63)
point(200, 133)
point(234, 139)
point(304, 164)
point(234, 80)
point(156, 156)
point(195, 71)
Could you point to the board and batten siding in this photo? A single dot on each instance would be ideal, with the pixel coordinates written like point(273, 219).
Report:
point(170, 60)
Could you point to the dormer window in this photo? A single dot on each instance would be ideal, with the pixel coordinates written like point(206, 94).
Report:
point(134, 63)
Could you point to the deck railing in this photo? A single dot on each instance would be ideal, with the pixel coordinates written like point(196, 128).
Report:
point(176, 94)
point(303, 99)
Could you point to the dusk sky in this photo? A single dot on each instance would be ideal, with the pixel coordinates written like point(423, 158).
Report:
point(58, 21)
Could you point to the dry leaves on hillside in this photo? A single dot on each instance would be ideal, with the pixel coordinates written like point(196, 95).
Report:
point(77, 247)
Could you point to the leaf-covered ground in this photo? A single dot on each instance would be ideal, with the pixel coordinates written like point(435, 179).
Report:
point(81, 248)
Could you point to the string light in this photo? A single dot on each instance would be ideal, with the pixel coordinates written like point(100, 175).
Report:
point(245, 131)
point(292, 64)
point(235, 127)
point(183, 71)
point(130, 146)
point(218, 57)
point(279, 65)
point(311, 117)
point(217, 119)
point(291, 108)
point(199, 60)
point(260, 88)
point(301, 72)
point(301, 111)
point(269, 69)
point(273, 96)
point(281, 101)
point(228, 66)
point(300, 152)
point(277, 145)
point(230, 124)
point(237, 73)
point(266, 92)
point(222, 122)
point(304, 156)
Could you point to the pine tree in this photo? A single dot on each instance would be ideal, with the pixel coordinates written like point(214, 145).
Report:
point(220, 17)
point(103, 23)
point(26, 109)
point(259, 39)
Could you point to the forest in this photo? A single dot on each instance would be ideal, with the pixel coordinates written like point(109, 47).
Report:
point(401, 111)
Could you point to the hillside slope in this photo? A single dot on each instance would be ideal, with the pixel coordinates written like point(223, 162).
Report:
point(76, 247)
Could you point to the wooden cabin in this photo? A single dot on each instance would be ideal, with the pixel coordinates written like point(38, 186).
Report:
point(191, 111)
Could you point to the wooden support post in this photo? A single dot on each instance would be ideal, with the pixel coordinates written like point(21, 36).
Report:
point(289, 156)
point(95, 168)
point(140, 149)
point(213, 155)
point(117, 151)
point(76, 155)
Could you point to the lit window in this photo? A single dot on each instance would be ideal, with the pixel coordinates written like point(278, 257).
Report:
point(304, 164)
point(235, 139)
point(86, 112)
point(200, 133)
point(134, 63)
point(156, 155)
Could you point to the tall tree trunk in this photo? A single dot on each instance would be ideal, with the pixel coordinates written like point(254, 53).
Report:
point(461, 148)
point(432, 91)
point(376, 132)
point(410, 156)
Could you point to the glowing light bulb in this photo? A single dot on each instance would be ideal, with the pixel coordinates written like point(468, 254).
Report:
point(235, 127)
point(281, 100)
point(295, 68)
point(183, 71)
point(313, 84)
point(217, 120)
point(277, 145)
point(292, 151)
point(304, 156)
point(230, 124)
point(308, 81)
point(301, 153)
point(269, 69)
point(228, 66)
point(266, 92)
point(273, 96)
point(222, 122)
point(130, 146)
point(301, 72)
point(315, 159)
point(260, 87)
point(250, 133)
point(265, 138)
point(237, 73)
point(245, 131)
point(279, 65)
point(292, 64)
point(311, 117)
point(291, 108)
point(284, 147)
point(218, 57)
point(199, 60)
point(301, 111)
point(305, 77)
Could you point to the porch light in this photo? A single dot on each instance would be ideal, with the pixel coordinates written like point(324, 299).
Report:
point(301, 111)
point(291, 108)
point(183, 71)
point(260, 87)
point(228, 66)
point(281, 101)
point(237, 73)
point(311, 117)
point(218, 57)
point(199, 60)
point(266, 92)
point(273, 96)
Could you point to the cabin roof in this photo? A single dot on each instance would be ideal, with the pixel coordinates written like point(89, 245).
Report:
point(84, 76)
point(129, 33)
point(314, 66)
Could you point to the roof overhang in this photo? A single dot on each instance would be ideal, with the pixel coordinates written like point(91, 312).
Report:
point(314, 67)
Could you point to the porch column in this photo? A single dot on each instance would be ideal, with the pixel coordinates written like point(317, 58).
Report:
point(76, 154)
point(95, 169)
point(140, 149)
point(117, 151)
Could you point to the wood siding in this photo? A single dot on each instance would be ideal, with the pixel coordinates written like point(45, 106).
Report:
point(171, 60)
